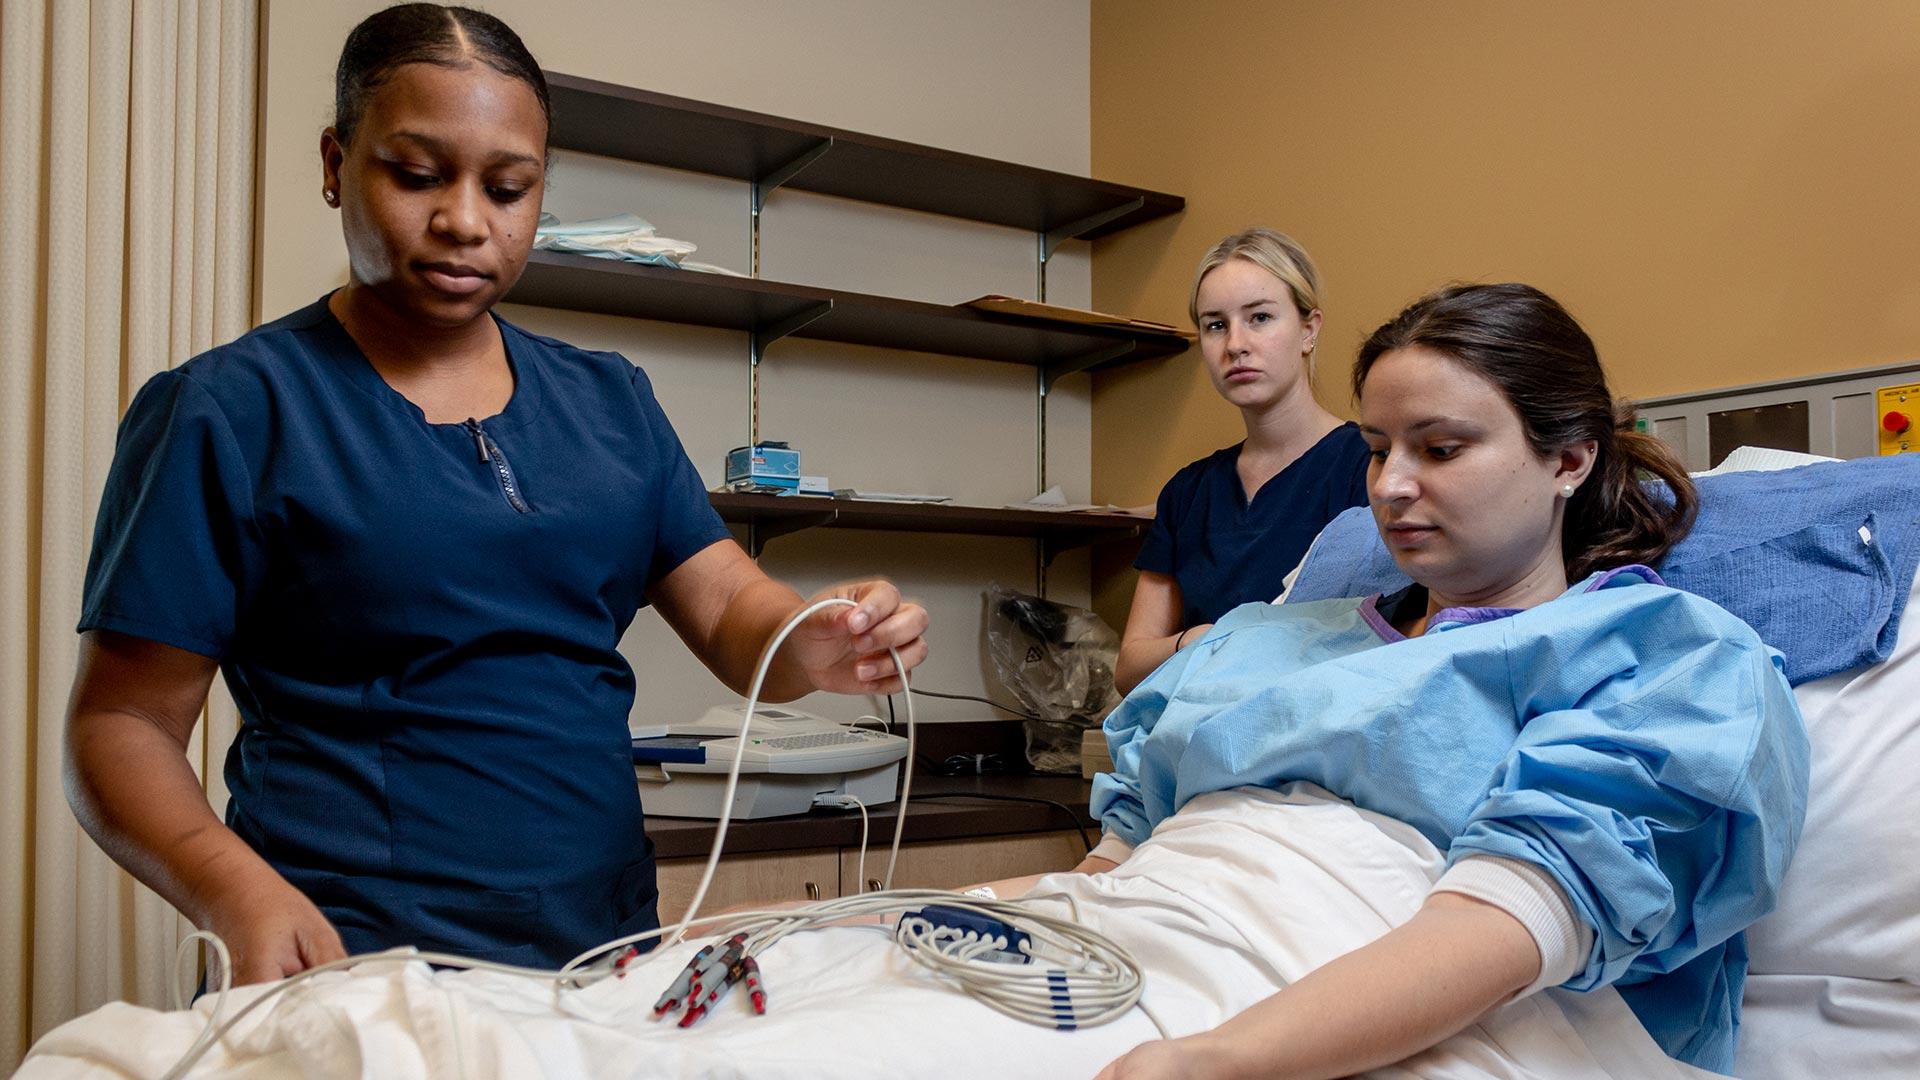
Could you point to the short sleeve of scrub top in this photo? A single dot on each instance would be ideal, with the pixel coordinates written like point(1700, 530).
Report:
point(1225, 551)
point(418, 621)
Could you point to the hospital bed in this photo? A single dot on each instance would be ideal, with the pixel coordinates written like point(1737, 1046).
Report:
point(1220, 914)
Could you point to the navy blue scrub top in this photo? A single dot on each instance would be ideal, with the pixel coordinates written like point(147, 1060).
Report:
point(418, 622)
point(1225, 551)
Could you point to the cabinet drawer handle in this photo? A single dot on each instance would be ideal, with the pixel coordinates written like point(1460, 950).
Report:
point(813, 891)
point(873, 884)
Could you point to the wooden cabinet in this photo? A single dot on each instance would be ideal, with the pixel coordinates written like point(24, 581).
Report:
point(808, 874)
point(823, 873)
point(952, 864)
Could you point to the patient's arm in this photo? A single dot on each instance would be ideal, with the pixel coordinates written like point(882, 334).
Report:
point(1110, 852)
point(1422, 982)
point(1094, 863)
point(1007, 888)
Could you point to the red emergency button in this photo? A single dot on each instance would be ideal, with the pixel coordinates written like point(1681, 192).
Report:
point(1896, 422)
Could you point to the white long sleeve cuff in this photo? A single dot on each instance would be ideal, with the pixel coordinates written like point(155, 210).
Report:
point(1112, 847)
point(1531, 895)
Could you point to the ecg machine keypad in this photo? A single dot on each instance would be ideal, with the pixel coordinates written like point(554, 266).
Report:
point(815, 742)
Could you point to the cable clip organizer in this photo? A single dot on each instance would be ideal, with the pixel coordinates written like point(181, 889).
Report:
point(965, 935)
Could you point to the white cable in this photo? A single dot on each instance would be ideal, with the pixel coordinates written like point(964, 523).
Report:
point(1075, 977)
point(224, 960)
point(1098, 973)
point(216, 1031)
point(841, 801)
point(1102, 979)
point(739, 753)
point(860, 871)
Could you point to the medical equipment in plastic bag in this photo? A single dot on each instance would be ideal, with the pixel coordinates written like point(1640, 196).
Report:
point(1058, 661)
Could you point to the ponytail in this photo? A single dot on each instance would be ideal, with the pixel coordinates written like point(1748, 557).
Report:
point(1617, 518)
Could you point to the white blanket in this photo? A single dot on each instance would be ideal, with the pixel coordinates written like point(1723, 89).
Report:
point(1231, 900)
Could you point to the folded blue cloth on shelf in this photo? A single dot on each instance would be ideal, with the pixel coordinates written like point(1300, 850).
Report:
point(1819, 560)
point(627, 237)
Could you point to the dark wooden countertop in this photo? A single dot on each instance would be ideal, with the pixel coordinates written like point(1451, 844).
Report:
point(939, 808)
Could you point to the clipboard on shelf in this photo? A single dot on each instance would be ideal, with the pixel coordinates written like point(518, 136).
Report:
point(1010, 305)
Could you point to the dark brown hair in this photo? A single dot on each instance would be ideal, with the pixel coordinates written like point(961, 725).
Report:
point(1522, 340)
point(425, 34)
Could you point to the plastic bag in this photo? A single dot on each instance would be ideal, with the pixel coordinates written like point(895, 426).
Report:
point(1058, 661)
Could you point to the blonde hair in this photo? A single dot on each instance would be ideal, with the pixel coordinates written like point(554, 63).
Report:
point(1270, 250)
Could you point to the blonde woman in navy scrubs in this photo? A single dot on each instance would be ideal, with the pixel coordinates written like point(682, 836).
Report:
point(1231, 526)
point(410, 536)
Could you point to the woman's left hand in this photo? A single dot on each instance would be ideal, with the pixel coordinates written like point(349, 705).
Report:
point(844, 650)
point(1190, 1058)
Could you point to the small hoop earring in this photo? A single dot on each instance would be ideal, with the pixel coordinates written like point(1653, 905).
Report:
point(1566, 491)
point(330, 196)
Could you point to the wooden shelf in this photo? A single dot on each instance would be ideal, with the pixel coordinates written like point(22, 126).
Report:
point(770, 152)
point(770, 516)
point(658, 129)
point(643, 291)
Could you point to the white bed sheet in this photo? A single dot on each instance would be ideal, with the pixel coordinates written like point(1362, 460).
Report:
point(1231, 900)
point(1823, 1027)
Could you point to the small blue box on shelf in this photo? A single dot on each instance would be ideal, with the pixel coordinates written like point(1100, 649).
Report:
point(768, 464)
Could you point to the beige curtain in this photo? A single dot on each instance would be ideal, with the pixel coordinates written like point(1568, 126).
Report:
point(126, 233)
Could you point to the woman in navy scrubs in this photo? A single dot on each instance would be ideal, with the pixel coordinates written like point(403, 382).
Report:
point(1231, 526)
point(411, 535)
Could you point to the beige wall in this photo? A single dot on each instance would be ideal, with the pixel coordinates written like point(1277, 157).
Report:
point(927, 71)
point(1722, 192)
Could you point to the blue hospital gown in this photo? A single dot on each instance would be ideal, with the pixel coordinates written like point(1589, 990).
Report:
point(1638, 743)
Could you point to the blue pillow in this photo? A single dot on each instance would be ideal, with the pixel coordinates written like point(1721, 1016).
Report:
point(1818, 560)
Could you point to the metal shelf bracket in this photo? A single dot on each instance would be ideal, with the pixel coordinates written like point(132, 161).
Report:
point(1052, 239)
point(758, 534)
point(764, 336)
point(1053, 544)
point(1054, 372)
point(766, 185)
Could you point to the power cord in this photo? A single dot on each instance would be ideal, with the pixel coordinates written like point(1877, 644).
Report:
point(1060, 806)
point(1021, 713)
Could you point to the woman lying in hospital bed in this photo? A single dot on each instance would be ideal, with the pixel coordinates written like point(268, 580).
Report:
point(1510, 822)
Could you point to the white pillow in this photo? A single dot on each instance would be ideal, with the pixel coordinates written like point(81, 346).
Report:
point(1850, 904)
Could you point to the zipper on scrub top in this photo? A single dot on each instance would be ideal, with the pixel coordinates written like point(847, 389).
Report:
point(491, 457)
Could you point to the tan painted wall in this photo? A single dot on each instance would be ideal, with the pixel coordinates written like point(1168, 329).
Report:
point(1722, 192)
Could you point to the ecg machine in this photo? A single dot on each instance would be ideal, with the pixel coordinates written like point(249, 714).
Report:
point(791, 758)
